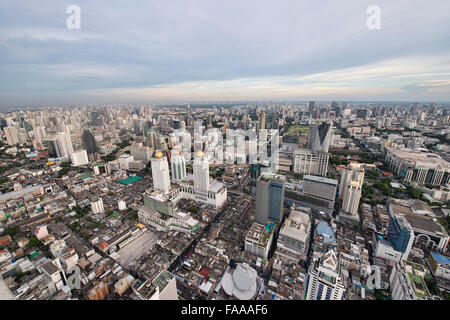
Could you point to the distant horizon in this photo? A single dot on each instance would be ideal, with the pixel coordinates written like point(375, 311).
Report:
point(201, 103)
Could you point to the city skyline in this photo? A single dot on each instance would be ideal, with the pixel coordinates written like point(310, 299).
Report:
point(207, 51)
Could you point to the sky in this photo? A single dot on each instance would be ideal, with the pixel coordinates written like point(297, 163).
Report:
point(145, 51)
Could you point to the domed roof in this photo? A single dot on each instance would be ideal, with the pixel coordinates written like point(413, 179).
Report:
point(200, 154)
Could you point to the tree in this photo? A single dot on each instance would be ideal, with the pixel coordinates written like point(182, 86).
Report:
point(33, 242)
point(367, 191)
point(193, 209)
point(11, 231)
point(63, 172)
point(372, 174)
point(414, 193)
point(431, 285)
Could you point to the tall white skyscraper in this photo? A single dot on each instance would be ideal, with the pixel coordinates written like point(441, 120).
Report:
point(350, 187)
point(201, 172)
point(178, 165)
point(11, 135)
point(160, 172)
point(64, 144)
point(40, 133)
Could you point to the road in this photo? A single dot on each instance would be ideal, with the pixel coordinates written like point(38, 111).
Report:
point(181, 258)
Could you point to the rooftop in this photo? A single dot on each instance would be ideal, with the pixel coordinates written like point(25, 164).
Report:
point(420, 157)
point(130, 180)
point(163, 279)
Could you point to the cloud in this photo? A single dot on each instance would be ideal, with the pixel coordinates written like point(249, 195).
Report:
point(253, 48)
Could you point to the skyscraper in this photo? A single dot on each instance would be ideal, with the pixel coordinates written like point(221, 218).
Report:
point(319, 137)
point(95, 118)
point(324, 279)
point(350, 187)
point(201, 172)
point(88, 142)
point(160, 172)
point(178, 165)
point(262, 120)
point(312, 107)
point(269, 197)
point(11, 135)
point(401, 235)
point(64, 144)
point(52, 147)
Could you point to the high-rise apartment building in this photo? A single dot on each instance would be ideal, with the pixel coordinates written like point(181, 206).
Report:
point(178, 166)
point(350, 187)
point(64, 144)
point(12, 135)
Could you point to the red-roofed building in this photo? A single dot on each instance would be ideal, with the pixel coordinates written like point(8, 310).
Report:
point(6, 240)
point(103, 246)
point(204, 272)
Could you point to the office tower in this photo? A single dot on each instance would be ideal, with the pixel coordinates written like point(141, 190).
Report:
point(311, 162)
point(336, 108)
point(12, 135)
point(3, 123)
point(361, 114)
point(64, 144)
point(352, 178)
point(88, 142)
point(176, 124)
point(401, 235)
point(274, 122)
point(95, 118)
point(320, 187)
point(201, 172)
point(262, 120)
point(137, 126)
point(269, 197)
point(312, 107)
point(160, 172)
point(52, 147)
point(325, 279)
point(320, 136)
point(189, 112)
point(178, 165)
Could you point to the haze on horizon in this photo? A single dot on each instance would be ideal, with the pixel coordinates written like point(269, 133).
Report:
point(146, 51)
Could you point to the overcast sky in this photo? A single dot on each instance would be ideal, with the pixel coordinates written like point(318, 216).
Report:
point(145, 51)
